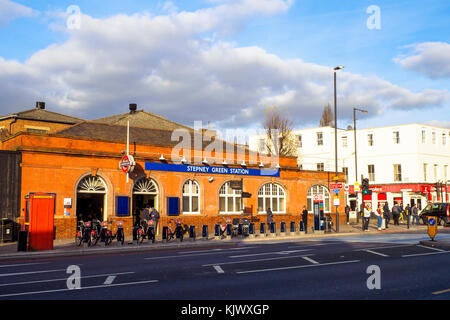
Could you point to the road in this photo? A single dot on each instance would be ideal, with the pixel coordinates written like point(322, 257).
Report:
point(323, 269)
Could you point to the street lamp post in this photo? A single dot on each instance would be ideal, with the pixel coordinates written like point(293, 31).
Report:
point(356, 158)
point(335, 140)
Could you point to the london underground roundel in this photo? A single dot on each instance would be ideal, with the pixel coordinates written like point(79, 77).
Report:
point(127, 163)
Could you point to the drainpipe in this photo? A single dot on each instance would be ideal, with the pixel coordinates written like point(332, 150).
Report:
point(10, 124)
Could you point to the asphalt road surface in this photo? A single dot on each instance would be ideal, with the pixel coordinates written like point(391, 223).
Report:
point(359, 267)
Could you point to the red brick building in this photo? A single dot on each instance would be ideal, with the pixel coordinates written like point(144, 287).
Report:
point(80, 165)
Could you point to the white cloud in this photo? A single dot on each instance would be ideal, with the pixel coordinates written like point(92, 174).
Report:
point(431, 59)
point(163, 64)
point(10, 10)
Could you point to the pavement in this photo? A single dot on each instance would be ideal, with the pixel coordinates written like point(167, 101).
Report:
point(67, 247)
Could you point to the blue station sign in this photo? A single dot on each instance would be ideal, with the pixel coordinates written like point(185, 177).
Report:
point(211, 169)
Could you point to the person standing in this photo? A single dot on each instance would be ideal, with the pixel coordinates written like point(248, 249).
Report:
point(305, 219)
point(366, 218)
point(407, 214)
point(415, 214)
point(347, 213)
point(396, 214)
point(379, 214)
point(269, 219)
point(386, 215)
point(155, 217)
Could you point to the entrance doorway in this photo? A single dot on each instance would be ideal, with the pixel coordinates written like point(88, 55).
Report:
point(145, 192)
point(91, 199)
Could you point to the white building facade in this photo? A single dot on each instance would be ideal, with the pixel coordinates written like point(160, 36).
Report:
point(403, 163)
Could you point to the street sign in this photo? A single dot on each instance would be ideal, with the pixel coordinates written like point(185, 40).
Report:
point(246, 195)
point(432, 227)
point(346, 187)
point(127, 163)
point(356, 188)
point(336, 190)
point(336, 185)
point(336, 201)
point(318, 197)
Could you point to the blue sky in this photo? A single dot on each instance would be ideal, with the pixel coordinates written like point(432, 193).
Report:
point(309, 35)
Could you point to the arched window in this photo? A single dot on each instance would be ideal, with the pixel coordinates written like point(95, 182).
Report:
point(229, 199)
point(273, 196)
point(145, 186)
point(91, 184)
point(191, 197)
point(322, 193)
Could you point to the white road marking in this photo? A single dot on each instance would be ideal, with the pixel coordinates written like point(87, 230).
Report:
point(431, 248)
point(423, 254)
point(218, 269)
point(61, 279)
point(186, 255)
point(267, 253)
point(218, 249)
point(298, 267)
point(377, 253)
point(314, 245)
point(109, 280)
point(386, 247)
point(22, 264)
point(310, 260)
point(247, 261)
point(82, 288)
point(440, 292)
point(29, 272)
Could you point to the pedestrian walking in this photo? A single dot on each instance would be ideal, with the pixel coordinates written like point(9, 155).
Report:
point(305, 219)
point(396, 214)
point(269, 218)
point(379, 214)
point(407, 214)
point(415, 214)
point(366, 218)
point(347, 213)
point(386, 215)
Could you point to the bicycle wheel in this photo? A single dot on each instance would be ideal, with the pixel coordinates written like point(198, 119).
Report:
point(78, 239)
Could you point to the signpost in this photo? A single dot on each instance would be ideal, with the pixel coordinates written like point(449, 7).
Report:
point(432, 227)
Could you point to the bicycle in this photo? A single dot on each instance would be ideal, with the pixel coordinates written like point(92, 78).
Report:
point(95, 233)
point(141, 232)
point(79, 233)
point(106, 234)
point(178, 232)
point(120, 235)
point(83, 233)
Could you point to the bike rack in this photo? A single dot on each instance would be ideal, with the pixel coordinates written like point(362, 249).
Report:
point(292, 229)
point(273, 229)
point(283, 228)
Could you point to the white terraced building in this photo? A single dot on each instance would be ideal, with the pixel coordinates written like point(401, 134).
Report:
point(403, 163)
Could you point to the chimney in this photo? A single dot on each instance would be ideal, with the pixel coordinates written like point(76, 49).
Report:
point(133, 108)
point(40, 105)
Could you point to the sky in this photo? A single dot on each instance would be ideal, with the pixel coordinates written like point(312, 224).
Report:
point(226, 62)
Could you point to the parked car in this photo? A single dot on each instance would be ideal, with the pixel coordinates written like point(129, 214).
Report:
point(439, 210)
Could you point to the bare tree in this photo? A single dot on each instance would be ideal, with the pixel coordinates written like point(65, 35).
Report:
point(280, 139)
point(327, 116)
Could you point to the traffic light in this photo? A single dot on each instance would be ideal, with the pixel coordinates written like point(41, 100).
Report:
point(365, 187)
